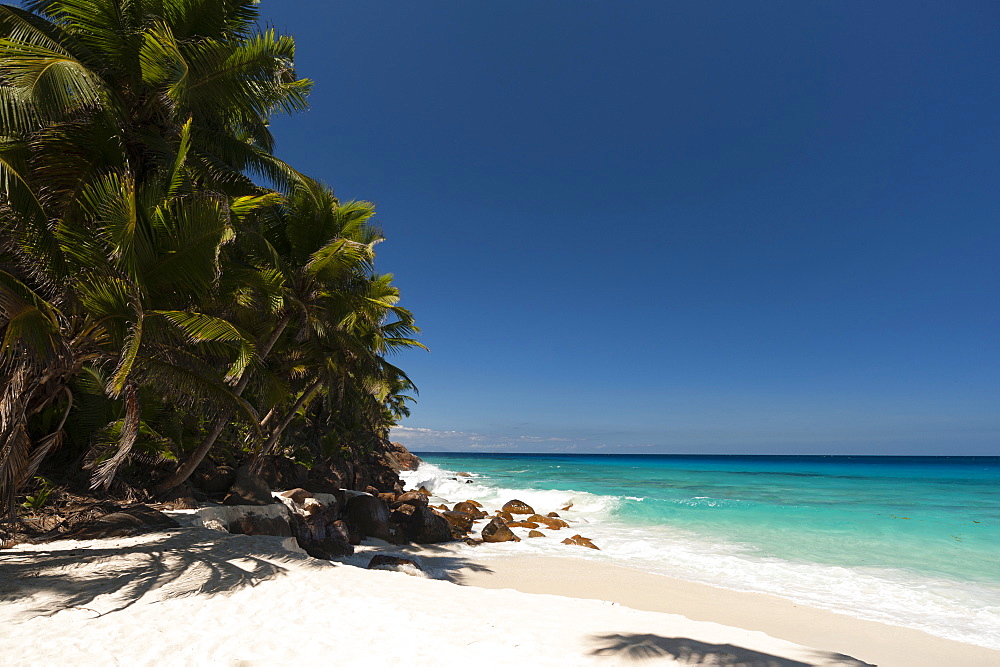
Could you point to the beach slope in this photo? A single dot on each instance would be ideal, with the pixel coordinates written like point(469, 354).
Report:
point(195, 596)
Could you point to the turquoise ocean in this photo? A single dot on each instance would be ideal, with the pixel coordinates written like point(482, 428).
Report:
point(911, 541)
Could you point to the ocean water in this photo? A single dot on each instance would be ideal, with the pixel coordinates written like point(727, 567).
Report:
point(911, 541)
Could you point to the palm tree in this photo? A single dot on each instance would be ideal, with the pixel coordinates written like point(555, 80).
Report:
point(135, 266)
point(130, 131)
point(133, 72)
point(342, 353)
point(318, 253)
point(142, 263)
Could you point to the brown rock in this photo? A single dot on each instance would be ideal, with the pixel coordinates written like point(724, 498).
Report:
point(421, 524)
point(281, 472)
point(336, 546)
point(566, 509)
point(553, 514)
point(400, 458)
point(518, 507)
point(536, 518)
point(470, 509)
point(402, 513)
point(212, 478)
point(473, 502)
point(522, 524)
point(472, 542)
point(124, 523)
point(297, 496)
point(535, 533)
point(397, 533)
point(423, 490)
point(383, 562)
point(463, 474)
point(461, 520)
point(554, 523)
point(254, 524)
point(411, 498)
point(249, 489)
point(387, 498)
point(506, 516)
point(497, 531)
point(580, 541)
point(368, 517)
point(182, 503)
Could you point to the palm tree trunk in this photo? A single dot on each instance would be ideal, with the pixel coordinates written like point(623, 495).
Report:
point(198, 455)
point(279, 429)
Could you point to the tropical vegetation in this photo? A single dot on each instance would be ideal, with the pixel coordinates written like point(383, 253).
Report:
point(169, 288)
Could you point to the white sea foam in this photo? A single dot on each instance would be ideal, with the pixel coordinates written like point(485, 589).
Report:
point(956, 610)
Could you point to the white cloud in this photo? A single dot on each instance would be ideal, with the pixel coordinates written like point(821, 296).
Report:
point(427, 439)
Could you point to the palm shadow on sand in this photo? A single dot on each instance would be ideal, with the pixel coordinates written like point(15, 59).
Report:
point(172, 563)
point(641, 647)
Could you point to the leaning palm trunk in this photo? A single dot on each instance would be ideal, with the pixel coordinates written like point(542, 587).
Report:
point(26, 392)
point(198, 455)
point(272, 442)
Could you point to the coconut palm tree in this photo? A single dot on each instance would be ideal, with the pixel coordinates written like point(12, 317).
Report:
point(341, 356)
point(129, 132)
point(318, 254)
point(136, 261)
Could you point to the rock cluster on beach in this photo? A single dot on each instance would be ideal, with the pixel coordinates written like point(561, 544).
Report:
point(326, 518)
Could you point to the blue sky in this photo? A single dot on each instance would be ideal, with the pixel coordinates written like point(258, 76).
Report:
point(659, 227)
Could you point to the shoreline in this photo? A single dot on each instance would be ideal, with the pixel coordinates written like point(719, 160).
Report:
point(961, 611)
point(199, 596)
point(778, 617)
point(196, 596)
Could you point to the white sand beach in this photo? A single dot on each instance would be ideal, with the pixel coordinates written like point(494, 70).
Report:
point(194, 596)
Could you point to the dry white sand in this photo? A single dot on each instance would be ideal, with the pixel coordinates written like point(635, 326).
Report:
point(878, 643)
point(195, 596)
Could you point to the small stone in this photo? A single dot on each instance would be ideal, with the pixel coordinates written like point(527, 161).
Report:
point(423, 490)
point(580, 541)
point(535, 533)
point(552, 514)
point(473, 502)
point(506, 516)
point(522, 524)
point(566, 509)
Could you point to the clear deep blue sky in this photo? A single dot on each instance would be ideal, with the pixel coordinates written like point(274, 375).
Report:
point(648, 226)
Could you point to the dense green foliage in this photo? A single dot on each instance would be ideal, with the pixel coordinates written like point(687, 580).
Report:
point(167, 285)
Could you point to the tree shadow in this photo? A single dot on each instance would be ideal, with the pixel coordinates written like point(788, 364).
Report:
point(437, 562)
point(174, 564)
point(639, 647)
